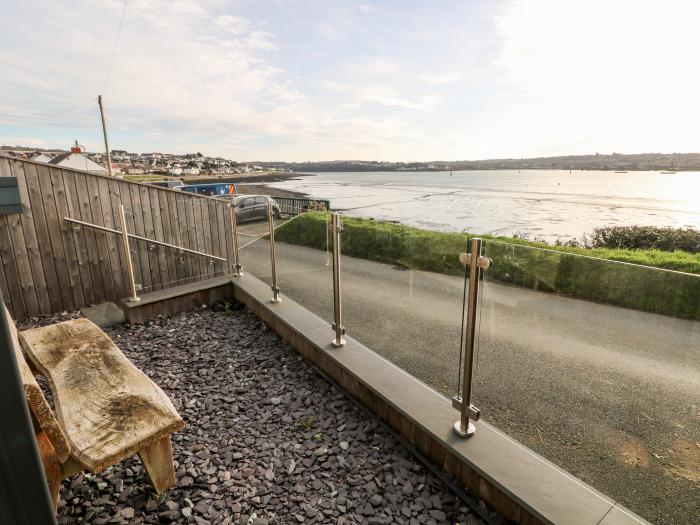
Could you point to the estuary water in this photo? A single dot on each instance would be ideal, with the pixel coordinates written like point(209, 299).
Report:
point(549, 204)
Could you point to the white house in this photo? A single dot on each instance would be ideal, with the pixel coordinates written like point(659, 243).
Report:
point(76, 160)
point(41, 158)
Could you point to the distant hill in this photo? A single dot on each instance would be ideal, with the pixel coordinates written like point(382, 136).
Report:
point(605, 162)
point(612, 162)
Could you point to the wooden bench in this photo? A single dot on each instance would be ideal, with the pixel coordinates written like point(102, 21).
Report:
point(106, 409)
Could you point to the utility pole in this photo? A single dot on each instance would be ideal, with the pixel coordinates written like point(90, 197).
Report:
point(104, 132)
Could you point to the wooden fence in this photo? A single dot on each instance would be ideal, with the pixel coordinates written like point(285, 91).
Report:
point(49, 265)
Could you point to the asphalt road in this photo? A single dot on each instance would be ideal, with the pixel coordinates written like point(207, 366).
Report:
point(609, 394)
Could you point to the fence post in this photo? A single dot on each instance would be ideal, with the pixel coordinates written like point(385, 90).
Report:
point(468, 412)
point(127, 251)
point(234, 225)
point(273, 261)
point(337, 305)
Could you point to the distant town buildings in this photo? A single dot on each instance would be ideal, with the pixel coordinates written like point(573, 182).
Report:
point(123, 162)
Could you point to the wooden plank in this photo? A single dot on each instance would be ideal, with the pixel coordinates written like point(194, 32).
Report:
point(157, 459)
point(73, 262)
point(206, 230)
point(112, 240)
point(21, 255)
point(115, 197)
point(149, 232)
point(83, 198)
point(3, 283)
point(125, 191)
point(37, 402)
point(192, 232)
point(79, 237)
point(13, 292)
point(228, 236)
point(26, 220)
point(176, 216)
point(53, 222)
point(97, 217)
point(167, 234)
point(44, 239)
point(162, 252)
point(204, 237)
point(136, 226)
point(216, 220)
point(5, 167)
point(215, 243)
point(126, 412)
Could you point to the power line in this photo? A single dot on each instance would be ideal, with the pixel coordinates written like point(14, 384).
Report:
point(116, 42)
point(49, 82)
point(33, 88)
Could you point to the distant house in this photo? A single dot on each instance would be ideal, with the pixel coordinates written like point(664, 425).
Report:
point(76, 160)
point(191, 171)
point(135, 171)
point(41, 158)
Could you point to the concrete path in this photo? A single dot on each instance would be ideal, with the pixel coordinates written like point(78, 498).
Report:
point(609, 394)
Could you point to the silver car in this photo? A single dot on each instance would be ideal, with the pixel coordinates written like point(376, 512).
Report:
point(252, 207)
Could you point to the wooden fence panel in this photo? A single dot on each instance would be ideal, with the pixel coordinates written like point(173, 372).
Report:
point(47, 247)
point(164, 233)
point(50, 196)
point(139, 228)
point(79, 206)
point(93, 212)
point(184, 236)
point(48, 264)
point(13, 291)
point(31, 271)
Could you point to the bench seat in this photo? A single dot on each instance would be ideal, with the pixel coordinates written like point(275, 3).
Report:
point(106, 409)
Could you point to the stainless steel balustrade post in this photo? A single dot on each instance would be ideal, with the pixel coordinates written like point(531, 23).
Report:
point(337, 311)
point(468, 412)
point(273, 262)
point(127, 252)
point(234, 226)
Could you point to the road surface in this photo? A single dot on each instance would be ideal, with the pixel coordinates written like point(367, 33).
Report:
point(609, 394)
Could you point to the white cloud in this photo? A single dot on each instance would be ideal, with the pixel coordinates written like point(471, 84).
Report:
point(426, 103)
point(438, 79)
point(599, 75)
point(180, 69)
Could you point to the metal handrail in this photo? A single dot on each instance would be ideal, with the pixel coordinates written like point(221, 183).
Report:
point(146, 239)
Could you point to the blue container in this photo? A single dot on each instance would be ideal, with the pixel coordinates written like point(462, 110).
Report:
point(213, 189)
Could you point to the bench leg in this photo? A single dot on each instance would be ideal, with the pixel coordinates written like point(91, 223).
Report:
point(52, 467)
point(157, 459)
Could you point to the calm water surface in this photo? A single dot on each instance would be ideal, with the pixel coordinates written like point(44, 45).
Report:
point(552, 204)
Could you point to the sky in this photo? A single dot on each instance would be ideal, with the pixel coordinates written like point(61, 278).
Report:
point(397, 80)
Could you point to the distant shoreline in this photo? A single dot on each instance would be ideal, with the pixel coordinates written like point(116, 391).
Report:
point(268, 176)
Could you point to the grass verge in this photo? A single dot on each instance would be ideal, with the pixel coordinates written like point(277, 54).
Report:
point(584, 273)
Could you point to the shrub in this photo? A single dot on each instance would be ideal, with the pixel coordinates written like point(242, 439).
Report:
point(645, 238)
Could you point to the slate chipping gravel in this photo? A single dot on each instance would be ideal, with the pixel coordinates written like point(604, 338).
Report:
point(267, 441)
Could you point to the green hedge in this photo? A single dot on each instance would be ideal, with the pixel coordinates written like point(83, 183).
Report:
point(577, 272)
